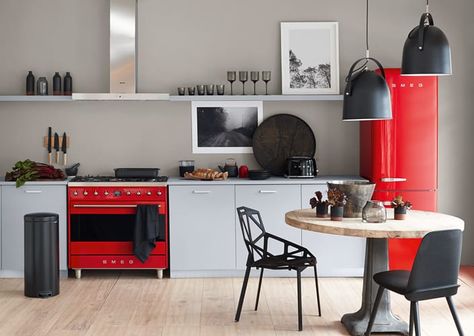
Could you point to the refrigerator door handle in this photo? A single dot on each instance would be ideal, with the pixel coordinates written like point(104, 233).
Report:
point(393, 179)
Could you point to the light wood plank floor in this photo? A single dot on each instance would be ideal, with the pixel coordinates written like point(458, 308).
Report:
point(115, 303)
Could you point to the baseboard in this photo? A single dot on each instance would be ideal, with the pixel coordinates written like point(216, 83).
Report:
point(20, 274)
point(339, 273)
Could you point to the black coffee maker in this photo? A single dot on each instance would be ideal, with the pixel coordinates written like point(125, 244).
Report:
point(301, 167)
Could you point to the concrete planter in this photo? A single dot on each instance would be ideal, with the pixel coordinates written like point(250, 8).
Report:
point(358, 193)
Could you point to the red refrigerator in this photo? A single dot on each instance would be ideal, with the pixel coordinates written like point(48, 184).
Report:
point(401, 155)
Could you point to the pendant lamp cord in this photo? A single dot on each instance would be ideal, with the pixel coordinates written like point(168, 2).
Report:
point(367, 52)
point(427, 6)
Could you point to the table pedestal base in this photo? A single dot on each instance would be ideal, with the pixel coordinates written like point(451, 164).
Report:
point(376, 260)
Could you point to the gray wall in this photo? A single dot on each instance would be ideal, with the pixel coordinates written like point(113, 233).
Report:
point(187, 42)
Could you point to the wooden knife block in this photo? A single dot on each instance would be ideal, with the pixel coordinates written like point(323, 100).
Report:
point(45, 142)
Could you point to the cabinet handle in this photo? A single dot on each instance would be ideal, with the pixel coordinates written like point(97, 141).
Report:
point(33, 191)
point(107, 206)
point(393, 179)
point(267, 191)
point(201, 191)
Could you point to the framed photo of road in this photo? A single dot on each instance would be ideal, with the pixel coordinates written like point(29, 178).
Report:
point(225, 127)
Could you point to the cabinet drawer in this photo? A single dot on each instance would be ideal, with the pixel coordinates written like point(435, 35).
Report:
point(336, 255)
point(202, 228)
point(16, 202)
point(273, 201)
point(118, 262)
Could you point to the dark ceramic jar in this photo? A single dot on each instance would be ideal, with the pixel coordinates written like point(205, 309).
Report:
point(337, 212)
point(322, 210)
point(400, 213)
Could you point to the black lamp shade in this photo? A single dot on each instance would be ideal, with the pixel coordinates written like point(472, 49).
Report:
point(426, 51)
point(367, 96)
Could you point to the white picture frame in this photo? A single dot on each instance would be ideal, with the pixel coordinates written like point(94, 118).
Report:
point(229, 134)
point(314, 48)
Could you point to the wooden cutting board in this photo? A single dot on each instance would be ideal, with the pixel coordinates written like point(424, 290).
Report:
point(280, 137)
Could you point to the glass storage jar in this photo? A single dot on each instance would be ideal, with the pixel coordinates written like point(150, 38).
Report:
point(374, 212)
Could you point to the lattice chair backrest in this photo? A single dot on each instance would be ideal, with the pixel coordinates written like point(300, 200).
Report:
point(253, 231)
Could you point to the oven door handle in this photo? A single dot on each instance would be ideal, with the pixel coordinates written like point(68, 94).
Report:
point(107, 206)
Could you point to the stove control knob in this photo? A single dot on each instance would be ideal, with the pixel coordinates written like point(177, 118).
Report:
point(148, 193)
point(117, 193)
point(96, 193)
point(75, 193)
point(128, 193)
point(85, 193)
point(138, 193)
point(159, 193)
point(106, 193)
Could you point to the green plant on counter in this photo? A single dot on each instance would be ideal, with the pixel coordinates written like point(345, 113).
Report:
point(315, 201)
point(398, 202)
point(28, 170)
point(336, 197)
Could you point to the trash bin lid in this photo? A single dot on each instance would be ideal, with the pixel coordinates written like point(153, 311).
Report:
point(41, 217)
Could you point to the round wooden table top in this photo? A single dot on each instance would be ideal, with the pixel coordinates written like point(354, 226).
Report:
point(416, 225)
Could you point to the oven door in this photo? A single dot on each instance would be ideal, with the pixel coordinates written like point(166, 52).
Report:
point(107, 229)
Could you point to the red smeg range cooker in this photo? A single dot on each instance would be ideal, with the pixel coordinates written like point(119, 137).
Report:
point(102, 220)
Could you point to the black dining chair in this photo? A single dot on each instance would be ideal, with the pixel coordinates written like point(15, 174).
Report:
point(292, 257)
point(434, 275)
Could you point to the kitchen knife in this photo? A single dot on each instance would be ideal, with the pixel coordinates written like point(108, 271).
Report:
point(56, 146)
point(64, 148)
point(49, 145)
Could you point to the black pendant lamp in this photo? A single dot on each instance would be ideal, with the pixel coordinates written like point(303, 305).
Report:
point(366, 96)
point(426, 51)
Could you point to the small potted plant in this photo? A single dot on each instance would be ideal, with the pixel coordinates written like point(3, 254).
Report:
point(320, 205)
point(337, 199)
point(400, 207)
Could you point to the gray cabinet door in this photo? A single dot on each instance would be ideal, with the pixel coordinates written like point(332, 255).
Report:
point(273, 201)
point(16, 202)
point(202, 228)
point(336, 255)
point(0, 227)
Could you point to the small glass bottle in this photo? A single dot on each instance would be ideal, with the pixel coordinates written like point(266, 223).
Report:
point(67, 84)
point(42, 86)
point(57, 84)
point(30, 84)
point(374, 212)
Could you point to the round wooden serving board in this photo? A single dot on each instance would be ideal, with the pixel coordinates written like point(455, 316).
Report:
point(280, 137)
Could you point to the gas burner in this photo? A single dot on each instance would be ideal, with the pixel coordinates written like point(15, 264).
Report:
point(112, 179)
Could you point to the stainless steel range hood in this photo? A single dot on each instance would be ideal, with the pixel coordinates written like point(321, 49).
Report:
point(123, 55)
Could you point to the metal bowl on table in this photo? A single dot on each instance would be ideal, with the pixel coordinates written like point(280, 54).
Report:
point(357, 193)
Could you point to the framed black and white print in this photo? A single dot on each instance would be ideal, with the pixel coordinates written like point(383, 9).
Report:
point(310, 57)
point(226, 126)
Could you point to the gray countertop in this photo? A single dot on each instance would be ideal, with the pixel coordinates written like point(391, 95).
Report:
point(176, 181)
point(36, 183)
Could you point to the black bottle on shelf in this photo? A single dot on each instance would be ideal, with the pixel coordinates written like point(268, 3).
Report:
point(68, 84)
point(30, 84)
point(57, 84)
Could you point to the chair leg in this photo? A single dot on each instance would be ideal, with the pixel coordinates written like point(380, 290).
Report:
point(259, 287)
point(455, 315)
point(300, 313)
point(242, 294)
point(416, 318)
point(412, 312)
point(373, 315)
point(317, 289)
